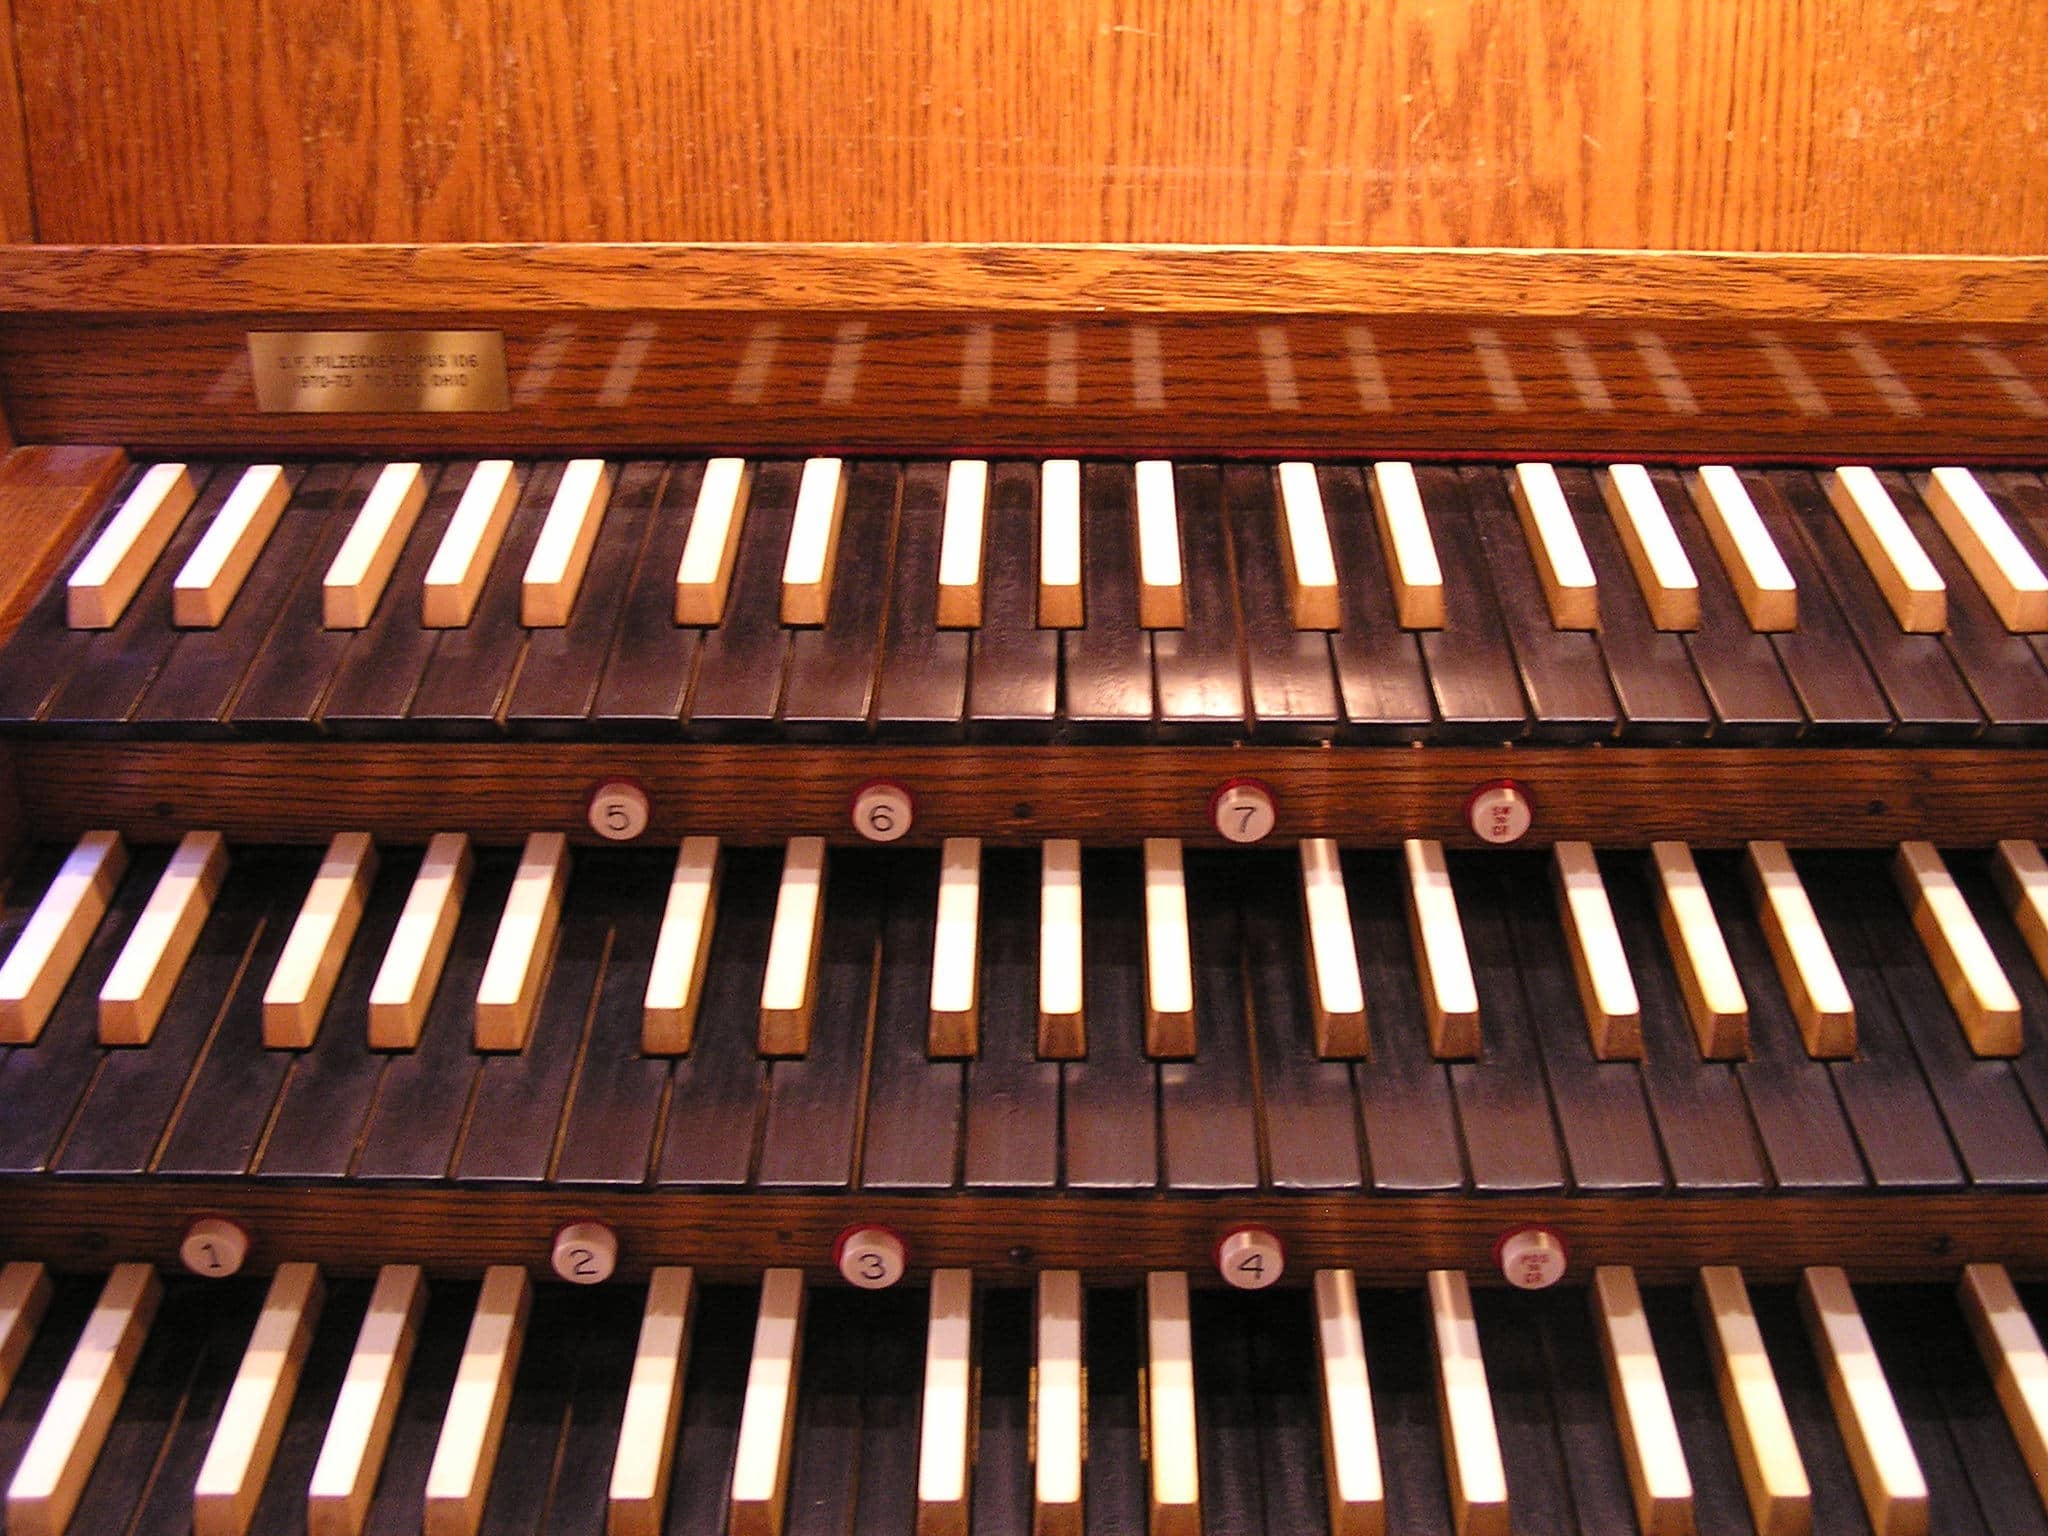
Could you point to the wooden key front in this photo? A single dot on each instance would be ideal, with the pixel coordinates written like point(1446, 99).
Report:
point(675, 979)
point(1806, 966)
point(955, 1020)
point(704, 575)
point(1351, 1453)
point(1450, 998)
point(1975, 983)
point(1773, 1475)
point(459, 1480)
point(1307, 560)
point(359, 1426)
point(1062, 1019)
point(1169, 964)
point(455, 577)
point(1336, 992)
point(251, 1422)
point(1887, 1471)
point(637, 1503)
point(1059, 544)
point(139, 987)
point(295, 1000)
point(1410, 550)
point(52, 942)
point(105, 581)
point(1058, 1414)
point(945, 1443)
point(1175, 1482)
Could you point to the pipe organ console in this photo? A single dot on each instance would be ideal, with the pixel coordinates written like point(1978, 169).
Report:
point(784, 888)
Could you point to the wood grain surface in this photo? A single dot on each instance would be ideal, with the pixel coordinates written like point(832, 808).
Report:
point(46, 495)
point(1367, 796)
point(1733, 124)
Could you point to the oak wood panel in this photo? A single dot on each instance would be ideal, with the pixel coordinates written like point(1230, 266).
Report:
point(17, 203)
point(46, 496)
point(1744, 124)
point(452, 1230)
point(1618, 797)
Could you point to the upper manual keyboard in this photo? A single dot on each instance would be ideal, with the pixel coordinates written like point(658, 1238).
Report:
point(847, 600)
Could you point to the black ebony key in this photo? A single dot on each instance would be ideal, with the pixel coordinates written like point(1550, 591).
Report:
point(892, 1379)
point(1609, 1142)
point(1381, 683)
point(2000, 667)
point(1013, 669)
point(1404, 1095)
point(1919, 679)
point(831, 683)
point(647, 676)
point(289, 674)
point(2030, 1067)
point(715, 1091)
point(1013, 1098)
point(1654, 682)
point(1003, 1481)
point(1207, 1114)
point(1837, 1505)
point(192, 693)
point(1923, 1345)
point(1308, 1114)
point(740, 663)
point(1822, 661)
point(912, 1126)
point(1738, 668)
point(1288, 1408)
point(563, 664)
point(1718, 1501)
point(1114, 1490)
point(463, 690)
point(813, 1111)
point(1518, 1380)
point(380, 670)
point(825, 1445)
point(1988, 1117)
point(113, 668)
point(1111, 1098)
point(1473, 672)
point(590, 1434)
point(923, 687)
point(1199, 668)
point(522, 1474)
point(1590, 1451)
point(713, 1393)
point(1560, 668)
point(1226, 1417)
point(1106, 665)
point(1292, 690)
point(1396, 1327)
point(1510, 1135)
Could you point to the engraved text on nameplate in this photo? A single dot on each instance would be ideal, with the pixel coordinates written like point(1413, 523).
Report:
point(379, 370)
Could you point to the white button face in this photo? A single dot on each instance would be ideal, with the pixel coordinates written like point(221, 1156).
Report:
point(1531, 1258)
point(1243, 811)
point(871, 1258)
point(882, 811)
point(214, 1247)
point(585, 1252)
point(618, 810)
point(1499, 812)
point(1250, 1258)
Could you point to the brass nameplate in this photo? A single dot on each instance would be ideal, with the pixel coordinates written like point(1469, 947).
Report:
point(379, 370)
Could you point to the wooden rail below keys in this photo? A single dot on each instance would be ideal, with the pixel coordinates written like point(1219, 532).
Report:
point(83, 1225)
point(750, 794)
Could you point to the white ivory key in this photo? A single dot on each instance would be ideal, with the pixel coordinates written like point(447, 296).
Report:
point(1670, 587)
point(1336, 994)
point(300, 987)
point(1169, 964)
point(1450, 998)
point(460, 1478)
point(1912, 588)
point(1059, 544)
point(1305, 551)
point(554, 572)
point(362, 567)
point(1657, 1474)
point(1176, 1491)
point(359, 1427)
point(955, 1023)
point(789, 985)
point(24, 1298)
point(455, 576)
point(638, 1500)
point(760, 1473)
point(510, 990)
point(1607, 990)
point(412, 963)
point(1813, 982)
point(704, 575)
point(206, 588)
point(1057, 1409)
point(944, 1445)
point(2011, 580)
point(1351, 1452)
point(1554, 545)
point(675, 980)
point(252, 1420)
point(1714, 999)
point(1062, 1022)
point(1762, 581)
point(960, 540)
point(1412, 565)
point(1971, 976)
point(1773, 1476)
point(2013, 1358)
point(139, 987)
point(1478, 1481)
point(1162, 599)
point(1887, 1471)
point(2022, 877)
point(51, 943)
point(813, 542)
point(53, 1470)
point(100, 589)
